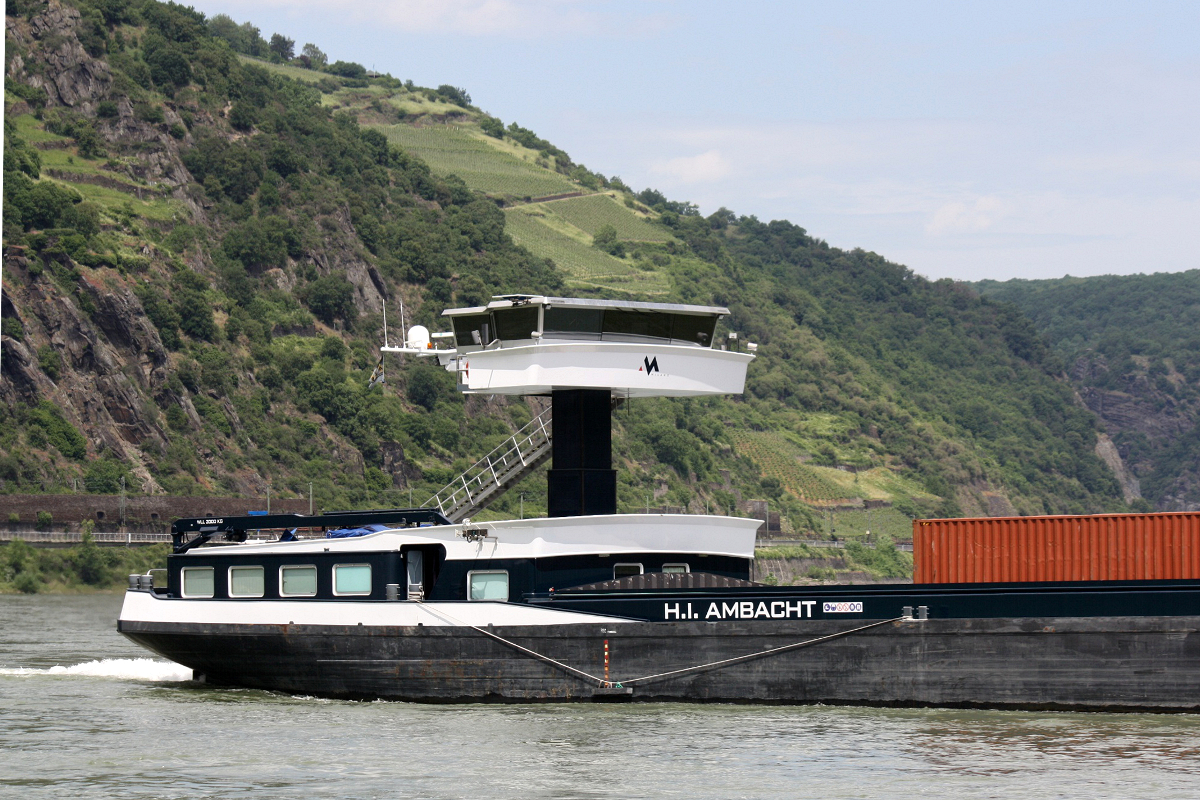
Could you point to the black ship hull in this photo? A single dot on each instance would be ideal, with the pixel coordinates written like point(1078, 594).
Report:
point(1125, 663)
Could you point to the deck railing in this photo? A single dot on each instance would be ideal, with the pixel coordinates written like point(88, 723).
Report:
point(495, 473)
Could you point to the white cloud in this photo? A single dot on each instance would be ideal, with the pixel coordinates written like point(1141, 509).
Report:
point(704, 168)
point(966, 217)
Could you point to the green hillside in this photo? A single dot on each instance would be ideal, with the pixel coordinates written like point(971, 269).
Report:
point(198, 246)
point(1132, 349)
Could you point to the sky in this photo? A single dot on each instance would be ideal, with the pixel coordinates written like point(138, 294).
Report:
point(963, 140)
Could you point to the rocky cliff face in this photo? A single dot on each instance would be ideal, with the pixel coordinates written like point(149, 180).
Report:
point(59, 64)
point(1141, 422)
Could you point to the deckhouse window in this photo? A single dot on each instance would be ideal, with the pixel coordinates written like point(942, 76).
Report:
point(352, 579)
point(298, 581)
point(625, 570)
point(676, 568)
point(491, 584)
point(198, 581)
point(246, 582)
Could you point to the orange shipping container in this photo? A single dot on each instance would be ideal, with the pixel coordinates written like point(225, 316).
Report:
point(1099, 547)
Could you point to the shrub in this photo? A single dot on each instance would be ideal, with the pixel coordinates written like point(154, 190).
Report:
point(27, 583)
point(14, 518)
point(44, 520)
point(47, 418)
point(243, 115)
point(12, 327)
point(107, 109)
point(149, 112)
point(104, 476)
point(49, 361)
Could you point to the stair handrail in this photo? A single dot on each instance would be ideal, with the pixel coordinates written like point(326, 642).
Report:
point(482, 473)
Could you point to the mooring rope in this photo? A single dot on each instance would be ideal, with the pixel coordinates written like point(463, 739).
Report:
point(514, 645)
point(725, 662)
point(760, 654)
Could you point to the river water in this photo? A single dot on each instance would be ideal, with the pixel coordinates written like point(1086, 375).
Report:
point(84, 713)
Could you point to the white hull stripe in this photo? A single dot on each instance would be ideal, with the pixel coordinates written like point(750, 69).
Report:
point(143, 607)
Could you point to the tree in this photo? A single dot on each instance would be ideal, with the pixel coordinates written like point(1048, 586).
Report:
point(169, 67)
point(282, 46)
point(606, 239)
point(331, 297)
point(492, 127)
point(455, 95)
point(252, 42)
point(223, 27)
point(316, 58)
point(347, 69)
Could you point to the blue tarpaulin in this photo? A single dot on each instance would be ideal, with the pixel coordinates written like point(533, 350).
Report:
point(346, 533)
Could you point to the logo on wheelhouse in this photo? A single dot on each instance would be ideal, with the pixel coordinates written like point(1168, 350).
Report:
point(651, 365)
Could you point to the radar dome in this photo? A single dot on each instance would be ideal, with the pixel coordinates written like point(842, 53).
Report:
point(418, 337)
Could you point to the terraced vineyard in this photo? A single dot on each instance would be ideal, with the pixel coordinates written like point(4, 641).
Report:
point(449, 150)
point(593, 211)
point(569, 249)
point(857, 523)
point(777, 458)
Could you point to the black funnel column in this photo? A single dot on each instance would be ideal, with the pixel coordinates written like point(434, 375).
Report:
point(581, 478)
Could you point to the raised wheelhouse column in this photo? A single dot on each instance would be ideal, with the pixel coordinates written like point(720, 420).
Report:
point(581, 480)
point(584, 354)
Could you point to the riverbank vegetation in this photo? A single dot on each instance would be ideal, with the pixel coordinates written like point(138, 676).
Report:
point(80, 568)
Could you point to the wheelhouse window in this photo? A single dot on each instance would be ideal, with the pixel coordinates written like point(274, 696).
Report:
point(298, 581)
point(351, 579)
point(468, 326)
point(198, 581)
point(573, 323)
point(490, 584)
point(625, 570)
point(516, 323)
point(246, 582)
point(622, 324)
point(676, 568)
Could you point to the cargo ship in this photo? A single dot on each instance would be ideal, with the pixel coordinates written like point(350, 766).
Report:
point(587, 604)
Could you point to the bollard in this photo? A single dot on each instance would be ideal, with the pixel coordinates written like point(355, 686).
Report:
point(393, 591)
point(133, 581)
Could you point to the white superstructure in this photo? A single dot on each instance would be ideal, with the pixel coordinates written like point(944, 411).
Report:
point(523, 345)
